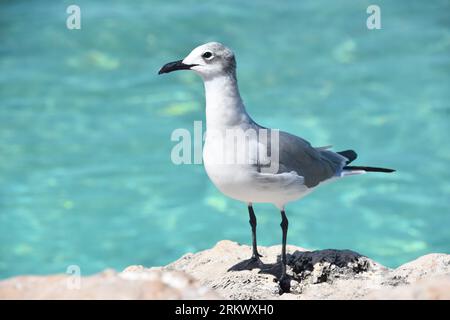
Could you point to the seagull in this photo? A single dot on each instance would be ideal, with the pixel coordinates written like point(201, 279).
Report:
point(292, 170)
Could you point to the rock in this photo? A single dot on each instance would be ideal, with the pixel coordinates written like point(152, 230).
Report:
point(436, 288)
point(224, 272)
point(134, 283)
point(322, 274)
point(430, 265)
point(211, 268)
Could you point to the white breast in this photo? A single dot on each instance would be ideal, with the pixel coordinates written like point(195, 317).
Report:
point(240, 179)
point(244, 182)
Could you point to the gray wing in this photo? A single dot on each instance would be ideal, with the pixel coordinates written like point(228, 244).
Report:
point(315, 165)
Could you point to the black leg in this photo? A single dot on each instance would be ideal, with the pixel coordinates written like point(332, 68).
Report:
point(252, 221)
point(284, 282)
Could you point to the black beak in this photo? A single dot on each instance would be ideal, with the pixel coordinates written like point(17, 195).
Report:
point(174, 66)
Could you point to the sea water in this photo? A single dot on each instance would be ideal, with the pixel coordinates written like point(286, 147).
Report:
point(86, 176)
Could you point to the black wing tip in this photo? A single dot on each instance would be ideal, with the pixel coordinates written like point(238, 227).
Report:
point(351, 155)
point(386, 170)
point(370, 169)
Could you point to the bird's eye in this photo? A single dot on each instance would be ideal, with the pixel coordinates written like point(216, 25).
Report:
point(207, 55)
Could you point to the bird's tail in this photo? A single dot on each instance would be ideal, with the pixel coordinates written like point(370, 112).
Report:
point(349, 154)
point(352, 170)
point(368, 169)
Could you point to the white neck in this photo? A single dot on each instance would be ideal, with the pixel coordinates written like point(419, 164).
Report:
point(224, 106)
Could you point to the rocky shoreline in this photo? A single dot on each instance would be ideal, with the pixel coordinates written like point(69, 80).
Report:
point(222, 272)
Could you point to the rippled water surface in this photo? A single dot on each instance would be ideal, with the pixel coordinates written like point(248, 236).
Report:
point(85, 125)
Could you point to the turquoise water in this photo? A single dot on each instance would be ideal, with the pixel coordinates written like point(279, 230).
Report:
point(85, 125)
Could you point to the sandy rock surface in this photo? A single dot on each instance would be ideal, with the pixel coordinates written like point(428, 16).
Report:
point(224, 272)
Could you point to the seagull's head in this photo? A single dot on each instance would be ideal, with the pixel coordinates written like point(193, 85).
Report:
point(208, 60)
